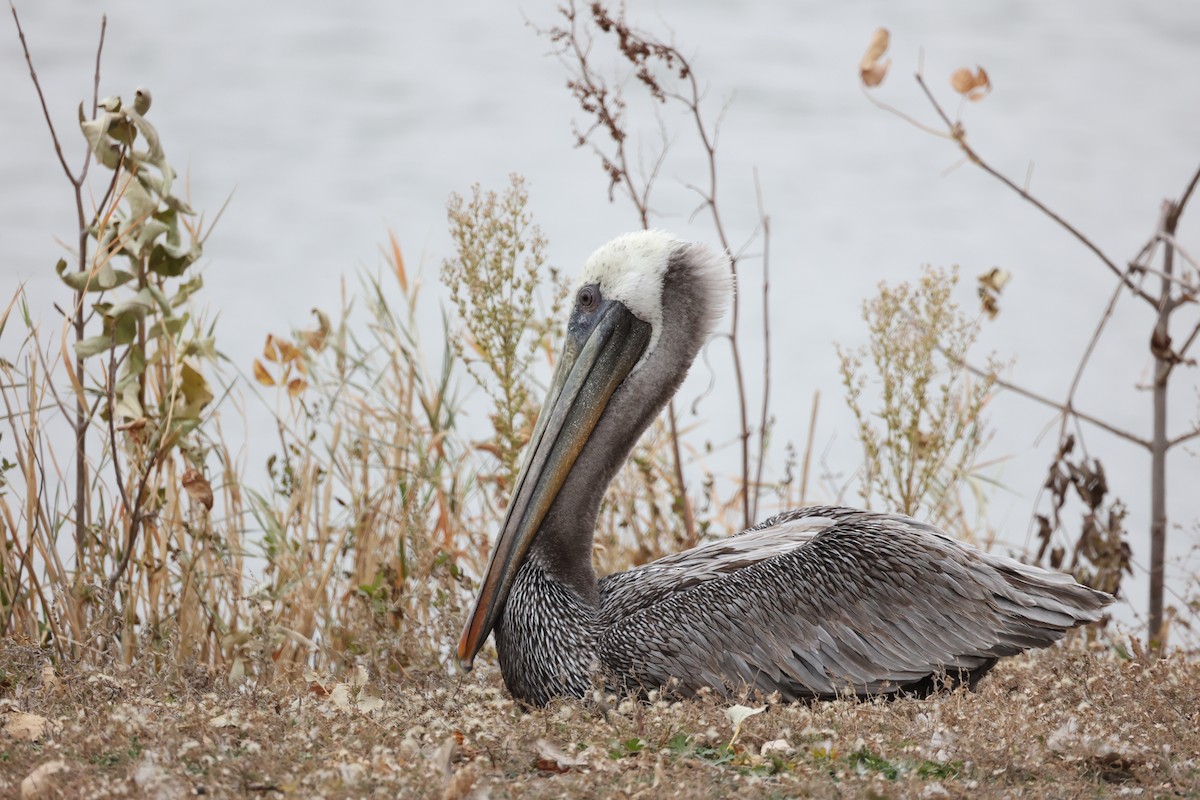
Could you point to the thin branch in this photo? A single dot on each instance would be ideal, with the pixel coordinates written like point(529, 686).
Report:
point(1185, 437)
point(42, 98)
point(1192, 262)
point(910, 120)
point(1190, 340)
point(765, 224)
point(87, 156)
point(958, 134)
point(1046, 401)
point(1183, 200)
point(112, 430)
point(1069, 404)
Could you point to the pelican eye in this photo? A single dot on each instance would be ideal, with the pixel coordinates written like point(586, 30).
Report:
point(588, 298)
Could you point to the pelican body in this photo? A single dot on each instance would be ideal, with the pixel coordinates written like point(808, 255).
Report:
point(816, 602)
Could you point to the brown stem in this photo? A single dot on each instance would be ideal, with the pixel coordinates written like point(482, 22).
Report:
point(958, 133)
point(710, 200)
point(765, 222)
point(81, 417)
point(1163, 364)
point(808, 447)
point(685, 503)
point(1046, 401)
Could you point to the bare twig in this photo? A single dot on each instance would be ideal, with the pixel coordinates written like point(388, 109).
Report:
point(77, 181)
point(1069, 403)
point(1177, 211)
point(606, 106)
point(62, 159)
point(1046, 401)
point(959, 135)
point(765, 224)
point(808, 447)
point(1187, 343)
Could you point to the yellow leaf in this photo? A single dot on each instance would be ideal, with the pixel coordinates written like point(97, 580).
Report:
point(296, 386)
point(871, 69)
point(261, 375)
point(287, 351)
point(270, 350)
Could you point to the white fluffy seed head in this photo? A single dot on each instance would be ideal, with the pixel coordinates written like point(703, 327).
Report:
point(631, 269)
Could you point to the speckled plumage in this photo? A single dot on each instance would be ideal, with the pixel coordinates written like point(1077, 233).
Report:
point(814, 603)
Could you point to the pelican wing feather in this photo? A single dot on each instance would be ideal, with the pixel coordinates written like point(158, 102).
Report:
point(822, 601)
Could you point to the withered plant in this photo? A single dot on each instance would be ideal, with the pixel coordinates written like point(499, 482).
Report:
point(667, 78)
point(1166, 289)
point(922, 442)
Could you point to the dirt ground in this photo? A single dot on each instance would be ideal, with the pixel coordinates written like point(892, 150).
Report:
point(1063, 723)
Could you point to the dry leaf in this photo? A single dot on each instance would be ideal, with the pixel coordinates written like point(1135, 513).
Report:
point(296, 386)
point(271, 349)
point(40, 782)
point(227, 720)
point(443, 757)
point(737, 714)
point(550, 758)
point(26, 727)
point(315, 339)
point(781, 746)
point(50, 680)
point(991, 284)
point(973, 85)
point(360, 677)
point(287, 351)
point(198, 488)
point(465, 785)
point(369, 699)
point(871, 69)
point(261, 375)
point(995, 279)
point(340, 696)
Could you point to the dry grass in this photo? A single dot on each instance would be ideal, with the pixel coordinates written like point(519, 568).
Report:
point(1064, 723)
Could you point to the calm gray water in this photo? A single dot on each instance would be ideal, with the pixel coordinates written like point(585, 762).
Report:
point(336, 121)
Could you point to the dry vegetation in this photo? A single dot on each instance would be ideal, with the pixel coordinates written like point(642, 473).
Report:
point(139, 655)
point(1063, 723)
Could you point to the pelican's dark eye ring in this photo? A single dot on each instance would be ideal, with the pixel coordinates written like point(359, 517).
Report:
point(588, 297)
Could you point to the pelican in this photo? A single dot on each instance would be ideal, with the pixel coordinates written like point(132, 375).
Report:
point(817, 602)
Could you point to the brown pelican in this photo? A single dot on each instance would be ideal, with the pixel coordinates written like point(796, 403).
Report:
point(813, 603)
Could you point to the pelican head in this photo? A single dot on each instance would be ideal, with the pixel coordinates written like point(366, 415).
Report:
point(644, 305)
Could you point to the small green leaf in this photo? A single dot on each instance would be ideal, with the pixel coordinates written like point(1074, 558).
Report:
point(195, 391)
point(137, 306)
point(86, 348)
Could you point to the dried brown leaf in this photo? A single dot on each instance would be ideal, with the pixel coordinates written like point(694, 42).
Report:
point(261, 375)
point(872, 70)
point(198, 488)
point(26, 727)
point(314, 339)
point(973, 85)
point(40, 782)
point(550, 758)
